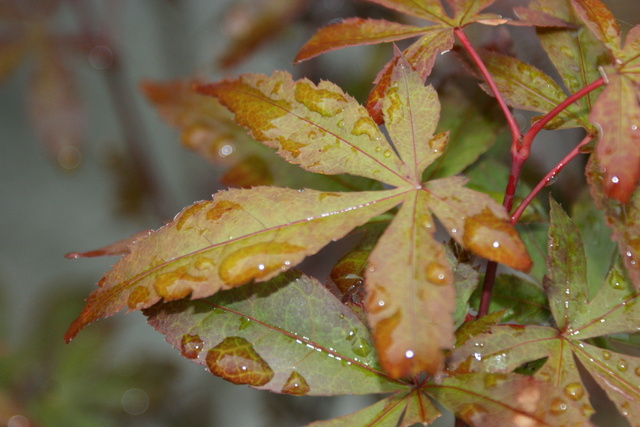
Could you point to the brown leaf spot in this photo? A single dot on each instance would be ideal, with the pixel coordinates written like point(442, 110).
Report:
point(175, 284)
point(393, 113)
point(138, 297)
point(366, 126)
point(188, 213)
point(473, 413)
point(497, 240)
point(377, 300)
point(235, 360)
point(322, 101)
point(296, 385)
point(191, 346)
point(290, 146)
point(220, 208)
point(256, 261)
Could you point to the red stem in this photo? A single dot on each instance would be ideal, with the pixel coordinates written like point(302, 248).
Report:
point(548, 177)
point(511, 121)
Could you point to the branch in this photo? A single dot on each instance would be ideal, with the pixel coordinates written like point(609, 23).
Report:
point(548, 177)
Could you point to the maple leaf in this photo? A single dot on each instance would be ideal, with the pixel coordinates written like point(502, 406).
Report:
point(207, 128)
point(421, 54)
point(612, 310)
point(255, 234)
point(290, 335)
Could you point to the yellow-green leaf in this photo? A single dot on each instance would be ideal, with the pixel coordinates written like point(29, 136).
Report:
point(318, 127)
point(239, 236)
point(410, 300)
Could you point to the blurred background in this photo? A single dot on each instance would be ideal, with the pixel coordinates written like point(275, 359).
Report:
point(85, 160)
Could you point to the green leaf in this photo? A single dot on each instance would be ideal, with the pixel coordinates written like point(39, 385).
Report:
point(576, 53)
point(289, 335)
point(624, 220)
point(411, 112)
point(465, 281)
point(474, 125)
point(355, 32)
point(522, 302)
point(507, 400)
point(320, 128)
point(598, 246)
point(567, 267)
point(617, 374)
point(614, 309)
point(526, 87)
point(399, 410)
point(616, 113)
point(239, 236)
point(601, 22)
point(507, 347)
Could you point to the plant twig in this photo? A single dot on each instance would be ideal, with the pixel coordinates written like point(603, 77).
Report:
point(548, 177)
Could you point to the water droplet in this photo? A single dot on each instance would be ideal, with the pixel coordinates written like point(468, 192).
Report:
point(574, 391)
point(235, 360)
point(454, 231)
point(312, 135)
point(256, 261)
point(135, 401)
point(296, 385)
point(495, 244)
point(615, 284)
point(191, 346)
point(361, 347)
point(557, 406)
point(409, 354)
point(637, 371)
point(622, 365)
point(244, 323)
point(478, 344)
point(340, 123)
point(551, 180)
point(439, 274)
point(615, 179)
point(352, 334)
point(387, 153)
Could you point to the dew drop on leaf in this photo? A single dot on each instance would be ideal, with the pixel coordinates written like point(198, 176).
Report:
point(606, 355)
point(235, 360)
point(191, 346)
point(557, 406)
point(438, 274)
point(622, 365)
point(351, 335)
point(361, 347)
point(387, 153)
point(244, 323)
point(296, 385)
point(255, 261)
point(340, 123)
point(574, 391)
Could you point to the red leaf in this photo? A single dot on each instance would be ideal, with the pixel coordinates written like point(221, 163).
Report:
point(617, 113)
point(354, 32)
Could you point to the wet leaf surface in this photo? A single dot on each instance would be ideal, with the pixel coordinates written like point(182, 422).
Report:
point(289, 335)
